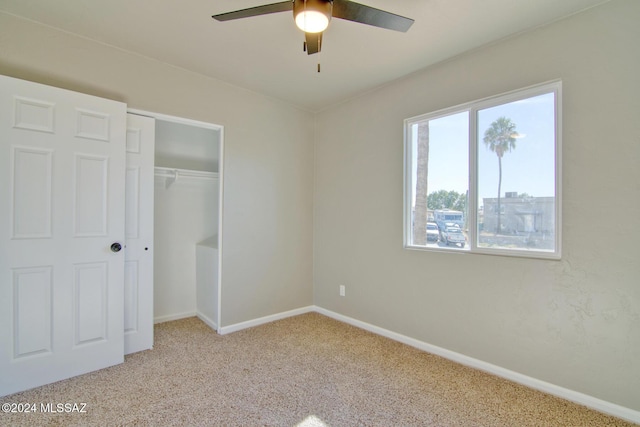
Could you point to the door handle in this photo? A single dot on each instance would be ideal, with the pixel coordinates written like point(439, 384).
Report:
point(116, 247)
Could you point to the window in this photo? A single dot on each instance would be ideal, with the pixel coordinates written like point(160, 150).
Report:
point(486, 176)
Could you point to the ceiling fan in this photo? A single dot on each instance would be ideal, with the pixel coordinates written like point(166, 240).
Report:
point(313, 16)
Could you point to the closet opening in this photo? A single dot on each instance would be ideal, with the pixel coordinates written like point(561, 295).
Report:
point(187, 219)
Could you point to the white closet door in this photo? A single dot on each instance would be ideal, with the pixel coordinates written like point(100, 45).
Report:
point(61, 218)
point(138, 283)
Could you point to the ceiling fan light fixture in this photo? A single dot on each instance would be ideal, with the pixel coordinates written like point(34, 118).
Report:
point(312, 16)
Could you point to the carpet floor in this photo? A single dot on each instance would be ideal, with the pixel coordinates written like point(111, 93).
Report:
point(308, 370)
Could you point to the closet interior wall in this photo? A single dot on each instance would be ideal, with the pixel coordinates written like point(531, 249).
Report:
point(186, 218)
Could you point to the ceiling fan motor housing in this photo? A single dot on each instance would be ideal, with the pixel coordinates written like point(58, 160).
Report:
point(304, 11)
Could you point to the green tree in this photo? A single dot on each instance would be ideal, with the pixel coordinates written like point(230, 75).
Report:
point(422, 173)
point(500, 138)
point(443, 199)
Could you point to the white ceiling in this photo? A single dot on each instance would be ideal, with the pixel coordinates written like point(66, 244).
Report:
point(265, 54)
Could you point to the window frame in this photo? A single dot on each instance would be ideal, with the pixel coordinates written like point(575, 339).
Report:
point(473, 108)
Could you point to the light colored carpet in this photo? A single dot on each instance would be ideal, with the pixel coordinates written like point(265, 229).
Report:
point(307, 370)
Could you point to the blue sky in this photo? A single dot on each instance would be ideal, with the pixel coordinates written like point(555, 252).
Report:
point(527, 169)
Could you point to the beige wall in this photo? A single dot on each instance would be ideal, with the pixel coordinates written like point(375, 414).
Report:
point(575, 322)
point(268, 178)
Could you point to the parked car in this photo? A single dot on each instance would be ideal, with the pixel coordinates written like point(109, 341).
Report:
point(442, 229)
point(453, 235)
point(433, 234)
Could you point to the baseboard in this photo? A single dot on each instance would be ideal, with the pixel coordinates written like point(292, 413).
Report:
point(170, 317)
point(262, 320)
point(571, 395)
point(207, 320)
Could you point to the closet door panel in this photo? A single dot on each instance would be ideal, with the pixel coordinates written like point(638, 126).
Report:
point(138, 284)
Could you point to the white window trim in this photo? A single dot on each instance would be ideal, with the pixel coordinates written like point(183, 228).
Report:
point(473, 107)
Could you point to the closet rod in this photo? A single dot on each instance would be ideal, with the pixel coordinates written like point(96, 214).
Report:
point(162, 171)
point(173, 174)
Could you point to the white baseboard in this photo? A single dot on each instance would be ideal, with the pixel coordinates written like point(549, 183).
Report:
point(262, 320)
point(207, 320)
point(573, 396)
point(170, 317)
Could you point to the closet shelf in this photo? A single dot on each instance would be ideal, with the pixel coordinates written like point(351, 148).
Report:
point(174, 174)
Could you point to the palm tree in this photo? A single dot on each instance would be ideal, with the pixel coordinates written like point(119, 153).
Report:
point(500, 138)
point(420, 212)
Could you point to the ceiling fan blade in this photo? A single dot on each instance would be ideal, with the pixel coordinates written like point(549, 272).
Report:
point(314, 42)
point(283, 6)
point(357, 12)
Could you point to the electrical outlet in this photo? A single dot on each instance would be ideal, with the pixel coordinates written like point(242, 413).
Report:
point(342, 290)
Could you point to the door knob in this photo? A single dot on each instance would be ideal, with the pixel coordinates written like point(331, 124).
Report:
point(115, 247)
